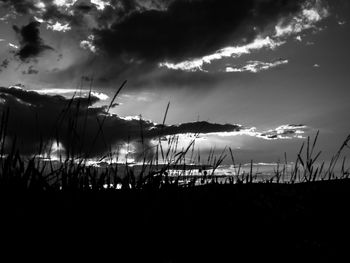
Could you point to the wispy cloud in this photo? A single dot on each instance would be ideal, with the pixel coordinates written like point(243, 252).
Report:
point(256, 66)
point(283, 132)
point(289, 131)
point(237, 51)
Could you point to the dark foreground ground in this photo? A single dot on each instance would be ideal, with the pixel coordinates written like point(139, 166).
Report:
point(215, 223)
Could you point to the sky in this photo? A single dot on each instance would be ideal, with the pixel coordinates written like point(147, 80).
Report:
point(258, 76)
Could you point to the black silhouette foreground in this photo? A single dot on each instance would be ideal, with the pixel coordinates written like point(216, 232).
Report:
point(212, 223)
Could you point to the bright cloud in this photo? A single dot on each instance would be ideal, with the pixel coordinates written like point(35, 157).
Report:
point(13, 46)
point(59, 27)
point(197, 64)
point(100, 4)
point(88, 44)
point(99, 95)
point(71, 92)
point(40, 20)
point(303, 21)
point(40, 5)
point(64, 3)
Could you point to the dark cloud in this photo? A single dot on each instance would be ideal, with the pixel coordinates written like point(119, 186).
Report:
point(188, 29)
point(30, 71)
point(4, 64)
point(197, 127)
point(84, 8)
point(36, 118)
point(31, 44)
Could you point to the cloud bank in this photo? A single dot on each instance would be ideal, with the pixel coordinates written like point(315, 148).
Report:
point(40, 117)
point(36, 117)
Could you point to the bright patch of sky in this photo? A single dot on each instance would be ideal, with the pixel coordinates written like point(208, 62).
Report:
point(241, 142)
point(283, 132)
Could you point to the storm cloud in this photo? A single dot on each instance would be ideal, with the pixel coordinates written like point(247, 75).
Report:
point(189, 29)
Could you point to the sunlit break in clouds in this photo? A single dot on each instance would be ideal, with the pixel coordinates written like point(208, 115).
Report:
point(256, 76)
